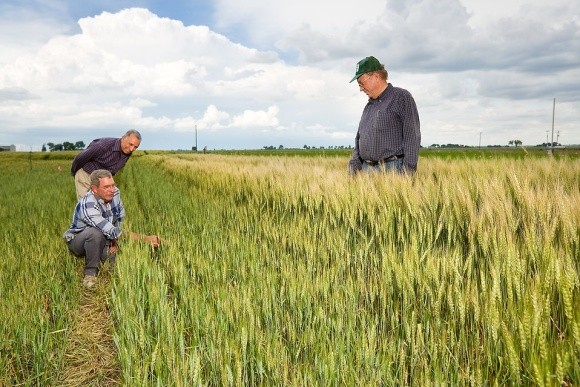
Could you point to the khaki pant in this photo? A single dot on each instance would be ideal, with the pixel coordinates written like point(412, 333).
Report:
point(82, 183)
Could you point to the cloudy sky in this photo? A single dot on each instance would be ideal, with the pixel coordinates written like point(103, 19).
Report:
point(256, 73)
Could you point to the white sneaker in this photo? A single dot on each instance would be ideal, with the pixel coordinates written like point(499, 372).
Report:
point(89, 281)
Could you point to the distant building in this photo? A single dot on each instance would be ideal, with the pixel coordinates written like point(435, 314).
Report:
point(7, 148)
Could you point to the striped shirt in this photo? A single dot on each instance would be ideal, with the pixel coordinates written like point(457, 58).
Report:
point(93, 212)
point(102, 153)
point(389, 126)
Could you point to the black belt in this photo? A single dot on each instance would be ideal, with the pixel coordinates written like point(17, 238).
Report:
point(387, 160)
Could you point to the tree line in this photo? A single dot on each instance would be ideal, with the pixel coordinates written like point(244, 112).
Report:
point(52, 147)
point(272, 147)
point(515, 143)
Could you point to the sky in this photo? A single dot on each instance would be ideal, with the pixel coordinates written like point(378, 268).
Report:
point(230, 74)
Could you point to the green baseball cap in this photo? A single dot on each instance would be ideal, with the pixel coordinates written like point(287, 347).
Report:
point(368, 64)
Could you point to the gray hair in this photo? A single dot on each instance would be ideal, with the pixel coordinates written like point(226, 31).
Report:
point(99, 174)
point(383, 73)
point(133, 132)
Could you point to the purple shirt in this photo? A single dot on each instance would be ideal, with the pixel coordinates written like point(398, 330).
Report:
point(102, 153)
point(389, 126)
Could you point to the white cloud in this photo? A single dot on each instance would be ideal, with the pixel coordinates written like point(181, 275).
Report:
point(115, 70)
point(213, 118)
point(256, 119)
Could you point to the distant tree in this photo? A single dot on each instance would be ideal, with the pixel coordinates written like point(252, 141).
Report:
point(511, 142)
point(79, 145)
point(517, 142)
point(281, 147)
point(44, 147)
point(68, 146)
point(57, 147)
point(50, 146)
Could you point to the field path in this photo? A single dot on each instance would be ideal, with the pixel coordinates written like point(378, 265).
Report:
point(90, 357)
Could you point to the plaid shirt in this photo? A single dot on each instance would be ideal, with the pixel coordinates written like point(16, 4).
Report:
point(389, 126)
point(102, 153)
point(93, 212)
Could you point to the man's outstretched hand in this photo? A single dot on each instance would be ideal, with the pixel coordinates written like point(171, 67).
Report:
point(155, 240)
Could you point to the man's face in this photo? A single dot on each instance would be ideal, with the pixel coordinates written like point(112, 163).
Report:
point(368, 84)
point(129, 144)
point(105, 189)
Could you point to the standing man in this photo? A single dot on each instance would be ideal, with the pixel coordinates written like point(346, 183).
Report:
point(388, 136)
point(103, 153)
point(96, 225)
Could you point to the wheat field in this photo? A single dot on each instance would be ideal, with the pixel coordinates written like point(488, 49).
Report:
point(286, 271)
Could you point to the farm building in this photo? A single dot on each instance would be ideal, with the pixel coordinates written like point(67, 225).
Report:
point(7, 148)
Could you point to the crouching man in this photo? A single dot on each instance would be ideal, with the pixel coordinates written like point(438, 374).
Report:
point(96, 225)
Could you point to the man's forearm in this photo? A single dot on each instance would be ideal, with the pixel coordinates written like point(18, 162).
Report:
point(153, 239)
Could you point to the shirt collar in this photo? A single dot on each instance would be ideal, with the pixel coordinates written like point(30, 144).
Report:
point(98, 199)
point(382, 95)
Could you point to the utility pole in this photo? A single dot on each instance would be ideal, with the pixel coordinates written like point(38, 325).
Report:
point(553, 114)
point(196, 137)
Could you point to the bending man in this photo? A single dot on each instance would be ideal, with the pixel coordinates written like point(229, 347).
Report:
point(103, 153)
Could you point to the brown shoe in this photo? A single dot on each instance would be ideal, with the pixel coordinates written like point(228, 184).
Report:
point(89, 281)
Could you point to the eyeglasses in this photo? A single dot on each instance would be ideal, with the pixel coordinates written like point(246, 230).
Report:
point(362, 83)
